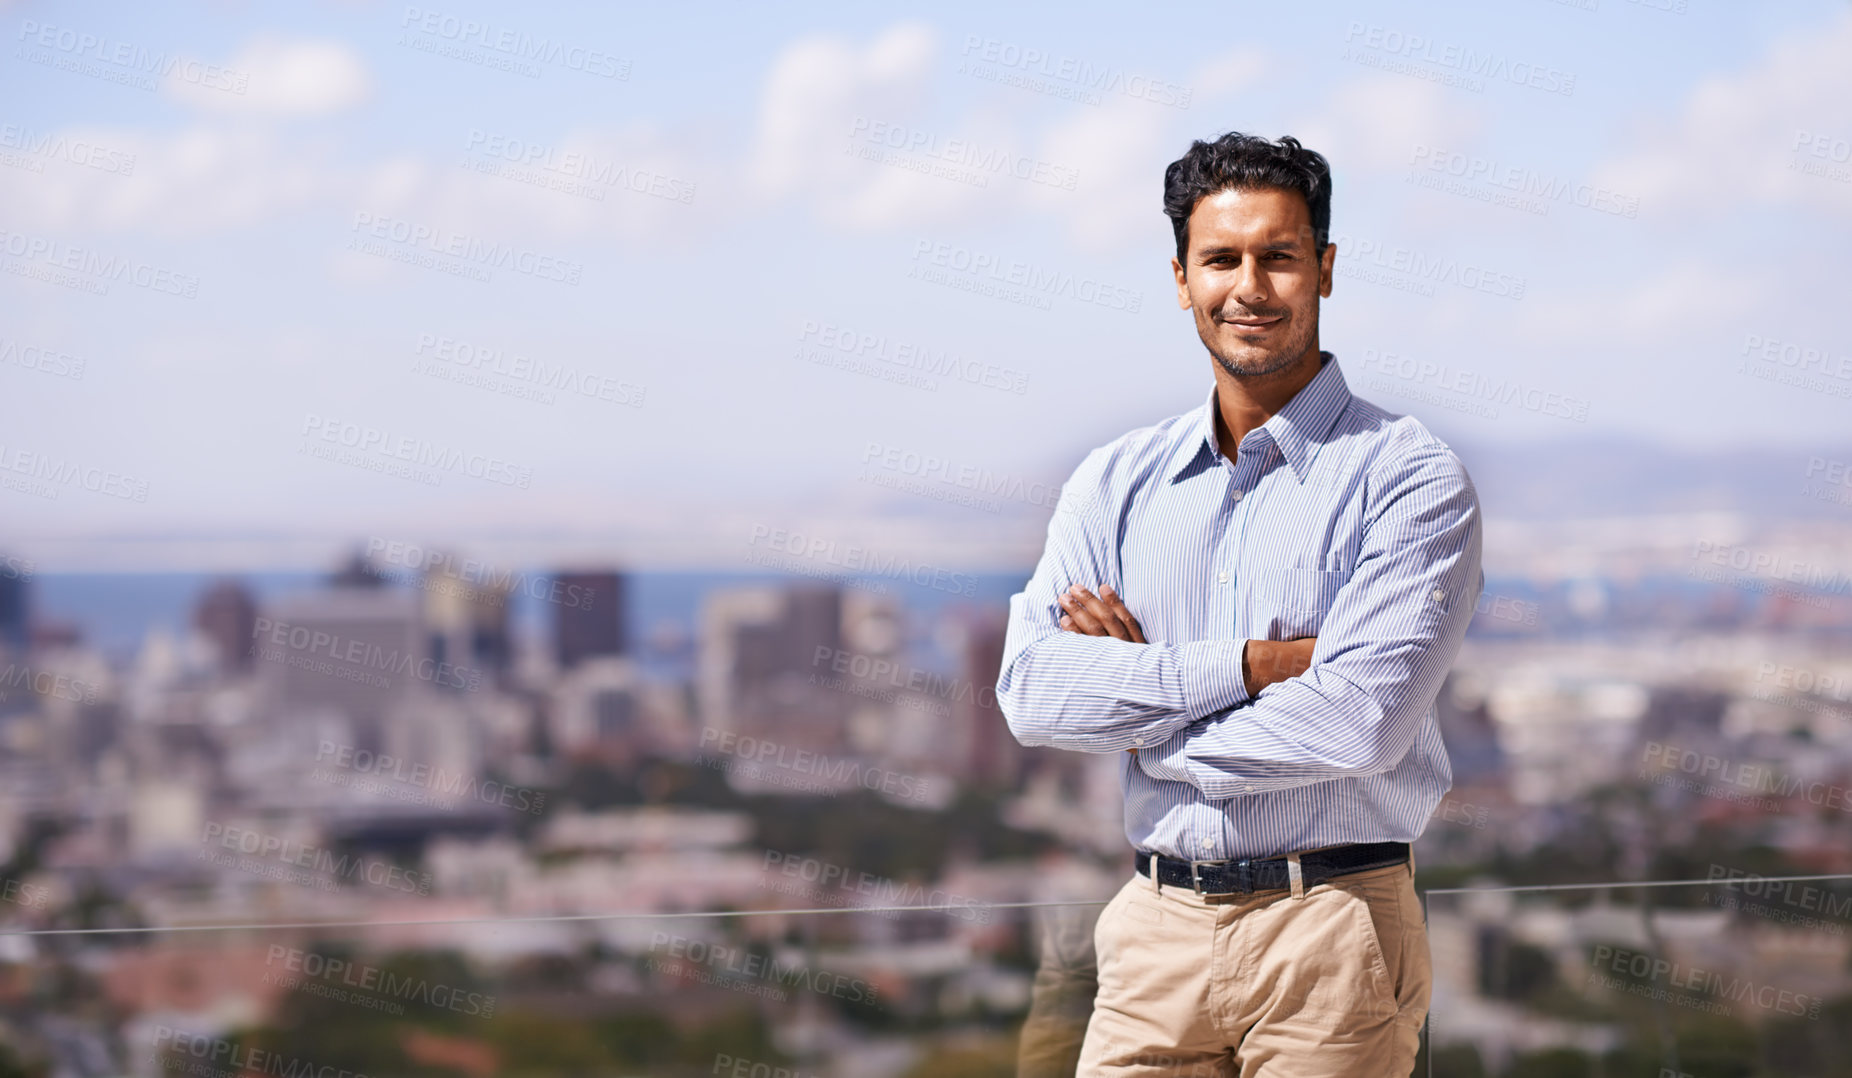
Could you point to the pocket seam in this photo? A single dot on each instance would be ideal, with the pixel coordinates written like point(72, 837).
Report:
point(1278, 591)
point(1385, 991)
point(1143, 916)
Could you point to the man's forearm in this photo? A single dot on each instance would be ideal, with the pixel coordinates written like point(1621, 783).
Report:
point(1269, 662)
point(1098, 694)
point(1104, 616)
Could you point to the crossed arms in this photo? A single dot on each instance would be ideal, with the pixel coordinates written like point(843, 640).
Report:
point(1234, 717)
point(1263, 662)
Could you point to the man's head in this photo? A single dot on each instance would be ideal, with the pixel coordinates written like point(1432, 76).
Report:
point(1252, 219)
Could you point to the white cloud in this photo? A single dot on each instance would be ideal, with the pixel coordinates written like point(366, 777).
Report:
point(1377, 121)
point(1121, 150)
point(1736, 137)
point(275, 76)
point(817, 88)
point(211, 178)
point(828, 104)
point(640, 174)
point(197, 180)
point(1666, 305)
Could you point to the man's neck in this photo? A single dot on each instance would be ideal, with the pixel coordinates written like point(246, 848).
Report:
point(1246, 403)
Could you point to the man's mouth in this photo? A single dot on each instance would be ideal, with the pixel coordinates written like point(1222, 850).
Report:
point(1254, 325)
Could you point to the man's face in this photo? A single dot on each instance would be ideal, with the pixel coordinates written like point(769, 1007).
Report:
point(1253, 279)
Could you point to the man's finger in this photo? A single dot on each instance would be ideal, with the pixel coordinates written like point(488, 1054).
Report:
point(1118, 607)
point(1102, 614)
point(1083, 619)
point(1116, 613)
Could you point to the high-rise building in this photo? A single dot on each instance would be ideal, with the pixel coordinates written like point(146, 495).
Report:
point(594, 710)
point(996, 756)
point(227, 615)
point(15, 605)
point(357, 572)
point(466, 618)
point(355, 650)
point(797, 665)
point(588, 616)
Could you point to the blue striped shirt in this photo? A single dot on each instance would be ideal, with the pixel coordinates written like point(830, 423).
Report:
point(1337, 519)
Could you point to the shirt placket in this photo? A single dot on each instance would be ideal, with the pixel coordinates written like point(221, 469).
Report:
point(1241, 476)
point(1208, 836)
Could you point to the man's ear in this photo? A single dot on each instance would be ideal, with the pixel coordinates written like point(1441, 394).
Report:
point(1183, 287)
point(1325, 262)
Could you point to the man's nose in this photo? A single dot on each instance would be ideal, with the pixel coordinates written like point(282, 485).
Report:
point(1250, 283)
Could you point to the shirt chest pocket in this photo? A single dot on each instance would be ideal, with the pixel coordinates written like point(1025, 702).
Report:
point(1284, 604)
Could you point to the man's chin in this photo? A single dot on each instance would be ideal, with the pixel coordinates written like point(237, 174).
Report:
point(1253, 363)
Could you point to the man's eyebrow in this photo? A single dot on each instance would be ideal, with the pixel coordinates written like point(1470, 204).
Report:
point(1275, 245)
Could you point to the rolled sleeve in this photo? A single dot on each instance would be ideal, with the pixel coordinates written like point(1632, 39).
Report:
point(1211, 671)
point(1169, 761)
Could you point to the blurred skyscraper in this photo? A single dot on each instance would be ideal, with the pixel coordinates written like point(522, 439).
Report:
point(588, 616)
point(358, 572)
point(15, 607)
point(806, 666)
point(227, 615)
point(466, 618)
point(594, 711)
point(355, 650)
point(996, 756)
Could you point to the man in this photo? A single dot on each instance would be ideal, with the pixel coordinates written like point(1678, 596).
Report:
point(1254, 604)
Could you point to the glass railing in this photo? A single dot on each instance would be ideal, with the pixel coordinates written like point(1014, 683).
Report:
point(944, 987)
point(1731, 977)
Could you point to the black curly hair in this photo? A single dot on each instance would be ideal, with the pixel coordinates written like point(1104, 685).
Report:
point(1246, 161)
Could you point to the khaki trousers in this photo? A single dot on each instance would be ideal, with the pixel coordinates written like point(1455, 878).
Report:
point(1264, 985)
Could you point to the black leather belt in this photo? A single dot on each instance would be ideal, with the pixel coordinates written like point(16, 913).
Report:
point(1270, 873)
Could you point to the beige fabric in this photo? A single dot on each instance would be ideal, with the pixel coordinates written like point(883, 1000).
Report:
point(1261, 986)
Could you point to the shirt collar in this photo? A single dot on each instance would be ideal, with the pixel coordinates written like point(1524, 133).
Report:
point(1296, 429)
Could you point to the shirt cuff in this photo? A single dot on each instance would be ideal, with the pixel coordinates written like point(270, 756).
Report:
point(1212, 678)
point(1168, 760)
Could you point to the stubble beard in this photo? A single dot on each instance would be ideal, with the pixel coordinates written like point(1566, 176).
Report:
point(1289, 354)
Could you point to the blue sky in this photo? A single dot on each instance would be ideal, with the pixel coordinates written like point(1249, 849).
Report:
point(278, 149)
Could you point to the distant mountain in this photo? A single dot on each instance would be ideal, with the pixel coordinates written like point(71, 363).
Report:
point(1614, 477)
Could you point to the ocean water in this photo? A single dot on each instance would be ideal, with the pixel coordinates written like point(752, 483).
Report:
point(116, 611)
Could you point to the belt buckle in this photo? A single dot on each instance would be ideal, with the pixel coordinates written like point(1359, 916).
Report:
point(1243, 878)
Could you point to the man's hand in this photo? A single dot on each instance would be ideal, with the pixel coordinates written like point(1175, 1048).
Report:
point(1268, 662)
point(1101, 615)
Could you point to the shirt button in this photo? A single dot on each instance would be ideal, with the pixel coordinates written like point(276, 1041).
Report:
point(1222, 577)
point(1236, 496)
point(1439, 595)
point(1208, 843)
